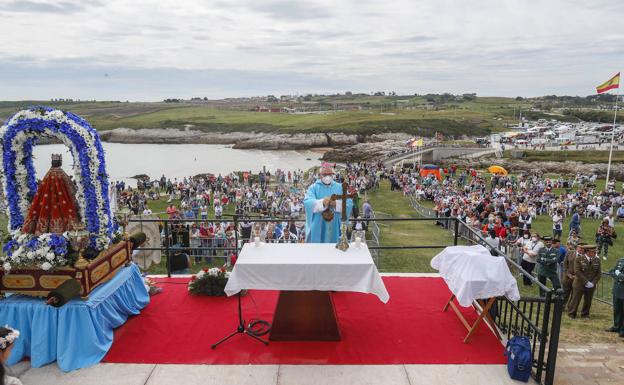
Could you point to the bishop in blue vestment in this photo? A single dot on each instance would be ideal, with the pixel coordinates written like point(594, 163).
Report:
point(317, 229)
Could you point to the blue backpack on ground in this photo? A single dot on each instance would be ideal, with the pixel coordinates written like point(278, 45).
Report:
point(519, 358)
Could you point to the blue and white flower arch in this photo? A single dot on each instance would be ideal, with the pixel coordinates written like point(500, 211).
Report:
point(18, 137)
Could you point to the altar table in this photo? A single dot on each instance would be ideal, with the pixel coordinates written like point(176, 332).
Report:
point(305, 273)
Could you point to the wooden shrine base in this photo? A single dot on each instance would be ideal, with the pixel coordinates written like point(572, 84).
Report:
point(305, 316)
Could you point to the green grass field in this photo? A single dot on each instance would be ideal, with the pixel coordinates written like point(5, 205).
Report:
point(379, 114)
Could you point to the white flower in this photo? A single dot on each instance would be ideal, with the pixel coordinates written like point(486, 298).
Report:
point(30, 255)
point(50, 257)
point(214, 272)
point(18, 252)
point(200, 274)
point(6, 266)
point(46, 266)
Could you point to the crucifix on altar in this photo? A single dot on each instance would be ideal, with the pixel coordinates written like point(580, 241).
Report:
point(343, 242)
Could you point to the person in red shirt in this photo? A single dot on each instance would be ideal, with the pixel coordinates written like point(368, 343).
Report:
point(172, 211)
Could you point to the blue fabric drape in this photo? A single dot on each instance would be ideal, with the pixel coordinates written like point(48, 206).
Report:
point(79, 333)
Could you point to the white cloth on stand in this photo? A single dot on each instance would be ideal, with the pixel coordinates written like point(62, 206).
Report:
point(472, 273)
point(306, 266)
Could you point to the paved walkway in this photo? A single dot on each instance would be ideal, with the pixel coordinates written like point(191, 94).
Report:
point(594, 364)
point(144, 374)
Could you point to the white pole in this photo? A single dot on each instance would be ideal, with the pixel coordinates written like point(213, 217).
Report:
point(612, 138)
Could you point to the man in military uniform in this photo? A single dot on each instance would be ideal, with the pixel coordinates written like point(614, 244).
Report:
point(547, 260)
point(568, 270)
point(587, 274)
point(618, 297)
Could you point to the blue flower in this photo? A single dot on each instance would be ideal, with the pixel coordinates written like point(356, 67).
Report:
point(32, 244)
point(43, 124)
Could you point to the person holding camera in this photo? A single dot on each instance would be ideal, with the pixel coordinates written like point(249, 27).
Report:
point(604, 238)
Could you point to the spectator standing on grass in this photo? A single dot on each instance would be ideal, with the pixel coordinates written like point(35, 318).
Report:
point(548, 259)
point(525, 219)
point(568, 271)
point(620, 213)
point(557, 219)
point(604, 238)
point(575, 221)
point(587, 274)
point(494, 242)
point(530, 248)
point(618, 297)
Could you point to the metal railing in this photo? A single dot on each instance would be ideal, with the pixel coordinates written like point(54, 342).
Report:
point(538, 317)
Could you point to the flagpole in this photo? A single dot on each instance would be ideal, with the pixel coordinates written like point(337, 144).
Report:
point(617, 96)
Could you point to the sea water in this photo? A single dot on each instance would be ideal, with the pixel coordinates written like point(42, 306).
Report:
point(124, 161)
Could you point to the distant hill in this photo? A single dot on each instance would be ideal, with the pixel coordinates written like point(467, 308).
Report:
point(424, 115)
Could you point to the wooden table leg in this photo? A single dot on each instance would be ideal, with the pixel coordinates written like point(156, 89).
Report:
point(305, 316)
point(449, 302)
point(489, 320)
point(483, 314)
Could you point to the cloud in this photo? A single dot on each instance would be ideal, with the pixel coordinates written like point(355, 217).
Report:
point(291, 10)
point(27, 6)
point(511, 47)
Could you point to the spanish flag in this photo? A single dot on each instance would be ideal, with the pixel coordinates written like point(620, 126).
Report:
point(610, 84)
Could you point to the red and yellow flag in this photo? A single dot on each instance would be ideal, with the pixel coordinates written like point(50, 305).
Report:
point(610, 84)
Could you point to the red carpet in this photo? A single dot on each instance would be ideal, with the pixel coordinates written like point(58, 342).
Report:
point(177, 328)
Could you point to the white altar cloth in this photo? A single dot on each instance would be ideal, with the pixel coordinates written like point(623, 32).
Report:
point(306, 266)
point(472, 273)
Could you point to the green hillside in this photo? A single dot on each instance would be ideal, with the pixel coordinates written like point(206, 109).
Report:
point(363, 114)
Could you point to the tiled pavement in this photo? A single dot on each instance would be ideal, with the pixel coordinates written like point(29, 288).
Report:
point(594, 364)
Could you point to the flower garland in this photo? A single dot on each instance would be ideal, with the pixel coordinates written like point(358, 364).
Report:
point(10, 338)
point(45, 251)
point(17, 139)
point(209, 281)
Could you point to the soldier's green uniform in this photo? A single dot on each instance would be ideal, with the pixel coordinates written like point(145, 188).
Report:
point(618, 297)
point(547, 260)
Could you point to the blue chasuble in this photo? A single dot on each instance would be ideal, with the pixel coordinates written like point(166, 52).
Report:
point(316, 228)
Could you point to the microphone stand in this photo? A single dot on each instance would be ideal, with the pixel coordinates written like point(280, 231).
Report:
point(241, 329)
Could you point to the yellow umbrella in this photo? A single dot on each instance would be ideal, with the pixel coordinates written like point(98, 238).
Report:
point(497, 170)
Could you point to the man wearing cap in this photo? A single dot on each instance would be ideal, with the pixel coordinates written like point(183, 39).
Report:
point(547, 260)
point(587, 274)
point(317, 200)
point(568, 270)
point(618, 297)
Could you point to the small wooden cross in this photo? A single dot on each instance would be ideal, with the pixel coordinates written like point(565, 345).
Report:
point(328, 215)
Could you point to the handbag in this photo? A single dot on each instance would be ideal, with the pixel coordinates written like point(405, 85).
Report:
point(519, 358)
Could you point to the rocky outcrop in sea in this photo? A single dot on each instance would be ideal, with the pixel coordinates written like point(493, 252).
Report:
point(345, 146)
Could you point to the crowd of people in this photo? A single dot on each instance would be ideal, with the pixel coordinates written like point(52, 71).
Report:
point(502, 210)
point(205, 205)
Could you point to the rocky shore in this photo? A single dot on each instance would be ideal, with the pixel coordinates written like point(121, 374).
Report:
point(344, 147)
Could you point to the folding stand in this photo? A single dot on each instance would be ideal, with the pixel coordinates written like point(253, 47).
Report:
point(484, 314)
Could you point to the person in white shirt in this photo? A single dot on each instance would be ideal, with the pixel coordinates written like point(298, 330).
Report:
point(557, 228)
point(530, 246)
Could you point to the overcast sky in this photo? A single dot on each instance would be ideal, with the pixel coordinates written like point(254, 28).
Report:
point(151, 50)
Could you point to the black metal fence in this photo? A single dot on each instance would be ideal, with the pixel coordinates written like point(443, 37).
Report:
point(538, 318)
